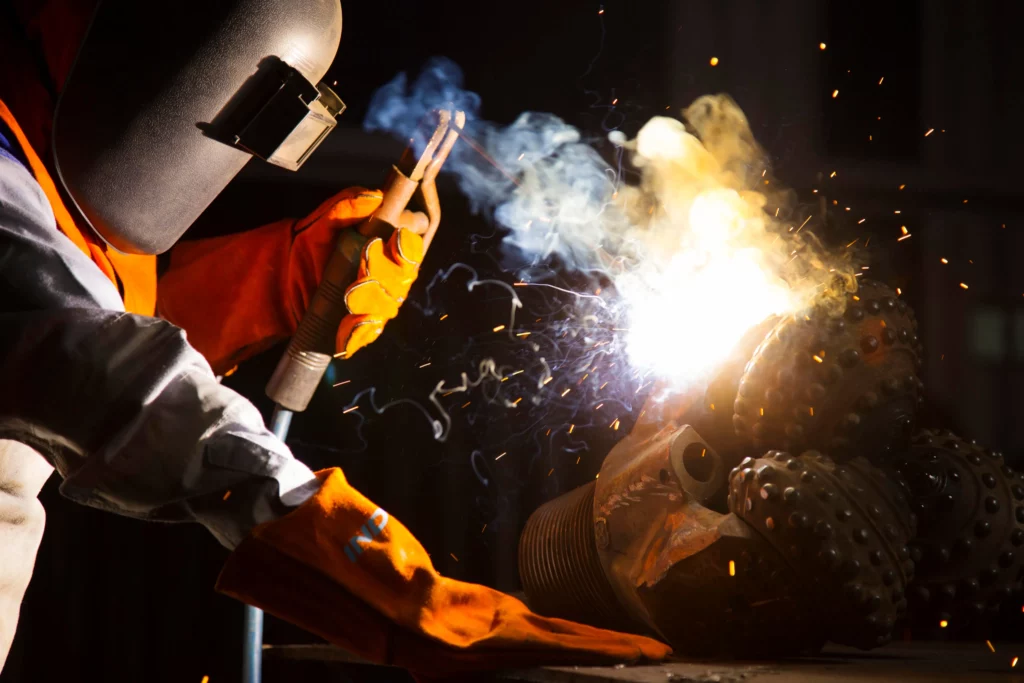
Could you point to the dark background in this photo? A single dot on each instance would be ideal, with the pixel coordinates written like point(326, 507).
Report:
point(118, 600)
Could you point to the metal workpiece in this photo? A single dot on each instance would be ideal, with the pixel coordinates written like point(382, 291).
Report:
point(637, 550)
point(970, 542)
point(713, 416)
point(560, 566)
point(643, 481)
point(842, 528)
point(844, 385)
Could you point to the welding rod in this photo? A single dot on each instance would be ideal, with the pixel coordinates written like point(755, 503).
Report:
point(311, 349)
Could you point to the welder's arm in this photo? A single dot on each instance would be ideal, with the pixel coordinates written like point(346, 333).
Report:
point(239, 294)
point(130, 415)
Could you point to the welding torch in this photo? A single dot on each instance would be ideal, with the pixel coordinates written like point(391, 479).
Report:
point(312, 348)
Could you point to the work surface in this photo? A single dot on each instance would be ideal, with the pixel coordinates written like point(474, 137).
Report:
point(898, 662)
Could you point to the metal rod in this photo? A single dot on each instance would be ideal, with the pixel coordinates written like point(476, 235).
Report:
point(252, 646)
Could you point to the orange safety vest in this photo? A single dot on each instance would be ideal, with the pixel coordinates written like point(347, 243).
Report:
point(132, 274)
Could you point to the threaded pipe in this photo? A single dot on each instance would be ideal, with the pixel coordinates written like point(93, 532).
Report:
point(559, 565)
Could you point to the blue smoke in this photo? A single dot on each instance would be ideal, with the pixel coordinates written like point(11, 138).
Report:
point(550, 190)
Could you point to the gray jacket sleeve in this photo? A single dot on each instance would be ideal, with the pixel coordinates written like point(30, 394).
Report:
point(128, 413)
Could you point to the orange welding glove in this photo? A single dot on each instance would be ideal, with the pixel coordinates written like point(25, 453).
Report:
point(341, 568)
point(386, 272)
point(238, 295)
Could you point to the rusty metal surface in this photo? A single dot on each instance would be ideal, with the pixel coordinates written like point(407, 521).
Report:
point(844, 386)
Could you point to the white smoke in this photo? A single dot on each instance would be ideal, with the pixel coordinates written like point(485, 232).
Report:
point(695, 258)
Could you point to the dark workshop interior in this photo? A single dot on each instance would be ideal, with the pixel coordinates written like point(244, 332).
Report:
point(908, 112)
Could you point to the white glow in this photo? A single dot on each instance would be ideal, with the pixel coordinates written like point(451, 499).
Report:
point(706, 277)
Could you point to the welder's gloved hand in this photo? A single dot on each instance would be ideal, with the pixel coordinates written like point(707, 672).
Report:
point(386, 272)
point(237, 295)
point(341, 568)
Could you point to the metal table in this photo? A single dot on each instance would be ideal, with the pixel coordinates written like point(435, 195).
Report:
point(898, 662)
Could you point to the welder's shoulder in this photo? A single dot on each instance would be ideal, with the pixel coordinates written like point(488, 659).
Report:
point(20, 195)
point(39, 266)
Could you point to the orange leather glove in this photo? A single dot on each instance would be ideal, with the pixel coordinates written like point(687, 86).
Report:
point(340, 567)
point(238, 295)
point(386, 272)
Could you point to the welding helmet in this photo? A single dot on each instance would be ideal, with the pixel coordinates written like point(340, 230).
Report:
point(163, 108)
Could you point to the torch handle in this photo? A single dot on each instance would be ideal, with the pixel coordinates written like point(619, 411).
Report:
point(311, 349)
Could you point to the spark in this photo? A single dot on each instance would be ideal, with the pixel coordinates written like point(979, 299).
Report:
point(615, 101)
point(833, 175)
point(548, 380)
point(453, 557)
point(341, 383)
point(226, 495)
point(861, 221)
point(732, 563)
point(425, 365)
point(965, 201)
point(601, 11)
point(578, 459)
point(349, 410)
point(1014, 662)
point(897, 212)
point(803, 224)
point(499, 328)
point(517, 372)
point(571, 428)
point(810, 410)
point(902, 186)
point(466, 404)
point(551, 471)
point(501, 456)
point(903, 229)
point(566, 392)
point(821, 46)
point(484, 529)
point(599, 406)
point(880, 83)
point(703, 452)
point(516, 402)
point(818, 358)
point(714, 61)
point(900, 239)
point(835, 93)
point(524, 335)
point(930, 131)
point(899, 291)
point(615, 425)
point(444, 316)
point(944, 260)
point(206, 679)
point(943, 624)
point(989, 643)
point(963, 286)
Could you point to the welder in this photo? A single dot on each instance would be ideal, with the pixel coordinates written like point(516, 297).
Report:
point(114, 137)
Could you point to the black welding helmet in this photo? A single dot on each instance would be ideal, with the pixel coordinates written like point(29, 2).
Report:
point(163, 108)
